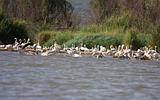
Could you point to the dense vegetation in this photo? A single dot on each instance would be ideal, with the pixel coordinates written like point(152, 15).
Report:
point(129, 22)
point(133, 18)
point(52, 12)
point(10, 29)
point(24, 18)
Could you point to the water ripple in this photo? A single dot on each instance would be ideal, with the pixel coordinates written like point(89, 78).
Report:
point(60, 77)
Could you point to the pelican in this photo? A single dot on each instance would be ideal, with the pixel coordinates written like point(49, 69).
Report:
point(56, 47)
point(64, 47)
point(85, 49)
point(28, 40)
point(100, 55)
point(20, 41)
point(77, 55)
point(102, 49)
point(112, 48)
point(27, 52)
point(118, 53)
point(16, 44)
point(48, 53)
point(38, 46)
point(70, 51)
point(9, 47)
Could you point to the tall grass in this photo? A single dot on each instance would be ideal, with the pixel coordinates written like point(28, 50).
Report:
point(91, 40)
point(47, 38)
point(114, 31)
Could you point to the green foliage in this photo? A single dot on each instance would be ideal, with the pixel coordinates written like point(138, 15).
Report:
point(10, 29)
point(117, 28)
point(44, 36)
point(120, 27)
point(141, 40)
point(117, 22)
point(114, 23)
point(140, 10)
point(127, 39)
point(94, 39)
point(137, 21)
point(156, 36)
point(90, 29)
point(48, 38)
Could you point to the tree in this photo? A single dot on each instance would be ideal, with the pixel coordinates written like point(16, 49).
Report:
point(50, 12)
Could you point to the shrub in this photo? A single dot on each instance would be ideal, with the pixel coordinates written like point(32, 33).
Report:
point(11, 28)
point(141, 40)
point(94, 39)
point(44, 36)
point(48, 38)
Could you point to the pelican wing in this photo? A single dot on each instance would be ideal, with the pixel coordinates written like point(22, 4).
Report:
point(27, 44)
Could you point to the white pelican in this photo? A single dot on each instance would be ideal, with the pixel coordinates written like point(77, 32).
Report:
point(102, 49)
point(77, 55)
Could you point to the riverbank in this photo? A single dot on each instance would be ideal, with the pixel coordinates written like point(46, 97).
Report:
point(115, 31)
point(98, 51)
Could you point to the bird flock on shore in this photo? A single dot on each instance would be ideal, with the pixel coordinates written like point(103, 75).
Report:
point(28, 48)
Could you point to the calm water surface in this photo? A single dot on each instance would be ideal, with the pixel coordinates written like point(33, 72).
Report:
point(86, 78)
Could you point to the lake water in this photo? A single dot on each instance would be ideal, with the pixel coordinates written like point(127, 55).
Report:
point(86, 78)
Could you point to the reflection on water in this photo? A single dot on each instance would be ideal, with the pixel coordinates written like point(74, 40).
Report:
point(86, 78)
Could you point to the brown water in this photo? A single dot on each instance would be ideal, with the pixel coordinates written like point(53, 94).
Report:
point(86, 78)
